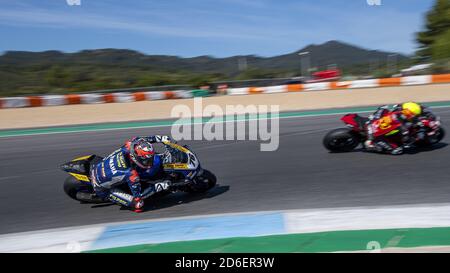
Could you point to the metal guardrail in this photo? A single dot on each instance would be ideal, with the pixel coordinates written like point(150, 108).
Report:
point(213, 85)
point(144, 88)
point(258, 82)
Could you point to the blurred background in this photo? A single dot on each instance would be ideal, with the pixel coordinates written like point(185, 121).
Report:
point(61, 46)
point(196, 48)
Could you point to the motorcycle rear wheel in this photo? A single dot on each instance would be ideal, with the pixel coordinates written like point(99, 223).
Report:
point(72, 186)
point(341, 140)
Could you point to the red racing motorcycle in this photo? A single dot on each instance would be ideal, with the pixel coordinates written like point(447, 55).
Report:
point(427, 131)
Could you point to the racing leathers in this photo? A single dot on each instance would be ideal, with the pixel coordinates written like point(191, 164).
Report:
point(388, 131)
point(116, 170)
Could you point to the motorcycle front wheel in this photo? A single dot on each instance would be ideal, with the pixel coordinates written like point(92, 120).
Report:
point(204, 182)
point(434, 139)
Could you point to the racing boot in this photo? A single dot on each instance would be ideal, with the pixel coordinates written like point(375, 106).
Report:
point(127, 200)
point(369, 145)
point(138, 204)
point(397, 151)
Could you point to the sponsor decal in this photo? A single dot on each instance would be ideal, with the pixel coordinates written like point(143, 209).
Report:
point(118, 162)
point(103, 169)
point(112, 166)
point(385, 122)
point(121, 161)
point(176, 166)
point(161, 186)
point(80, 177)
point(118, 200)
point(393, 132)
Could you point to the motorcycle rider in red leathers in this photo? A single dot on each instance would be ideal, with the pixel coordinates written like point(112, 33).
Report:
point(385, 125)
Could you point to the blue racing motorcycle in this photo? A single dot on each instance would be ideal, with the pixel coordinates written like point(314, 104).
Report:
point(179, 163)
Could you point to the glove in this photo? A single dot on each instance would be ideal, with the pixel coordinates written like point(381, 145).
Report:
point(138, 204)
point(166, 139)
point(160, 139)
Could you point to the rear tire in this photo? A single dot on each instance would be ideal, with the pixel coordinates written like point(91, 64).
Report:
point(72, 186)
point(341, 140)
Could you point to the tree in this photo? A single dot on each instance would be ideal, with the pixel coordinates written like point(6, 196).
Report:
point(436, 30)
point(440, 50)
point(56, 76)
point(256, 73)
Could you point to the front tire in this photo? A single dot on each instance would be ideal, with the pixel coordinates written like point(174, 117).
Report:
point(432, 140)
point(205, 182)
point(341, 140)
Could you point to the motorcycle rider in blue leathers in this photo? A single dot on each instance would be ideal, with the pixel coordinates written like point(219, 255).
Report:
point(135, 161)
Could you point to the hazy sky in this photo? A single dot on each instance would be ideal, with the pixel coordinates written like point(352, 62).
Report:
point(208, 27)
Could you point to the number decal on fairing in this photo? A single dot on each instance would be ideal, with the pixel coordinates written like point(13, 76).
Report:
point(193, 161)
point(192, 158)
point(385, 123)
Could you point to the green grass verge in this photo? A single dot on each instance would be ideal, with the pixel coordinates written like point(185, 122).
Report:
point(310, 242)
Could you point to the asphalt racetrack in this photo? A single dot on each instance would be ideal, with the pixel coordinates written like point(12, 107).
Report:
point(301, 174)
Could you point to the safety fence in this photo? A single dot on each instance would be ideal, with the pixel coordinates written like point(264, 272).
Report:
point(96, 98)
point(319, 86)
point(54, 100)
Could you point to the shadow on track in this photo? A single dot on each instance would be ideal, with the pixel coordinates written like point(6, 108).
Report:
point(179, 198)
point(411, 151)
point(174, 199)
point(417, 150)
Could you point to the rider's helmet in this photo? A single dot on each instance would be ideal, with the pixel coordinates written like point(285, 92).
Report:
point(142, 153)
point(411, 110)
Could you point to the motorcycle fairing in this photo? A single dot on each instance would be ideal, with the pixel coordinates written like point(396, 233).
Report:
point(355, 121)
point(385, 126)
point(180, 160)
point(80, 177)
point(79, 167)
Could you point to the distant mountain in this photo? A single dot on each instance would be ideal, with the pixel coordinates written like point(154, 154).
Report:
point(24, 72)
point(332, 52)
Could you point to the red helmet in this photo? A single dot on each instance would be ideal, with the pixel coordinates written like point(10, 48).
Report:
point(142, 153)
